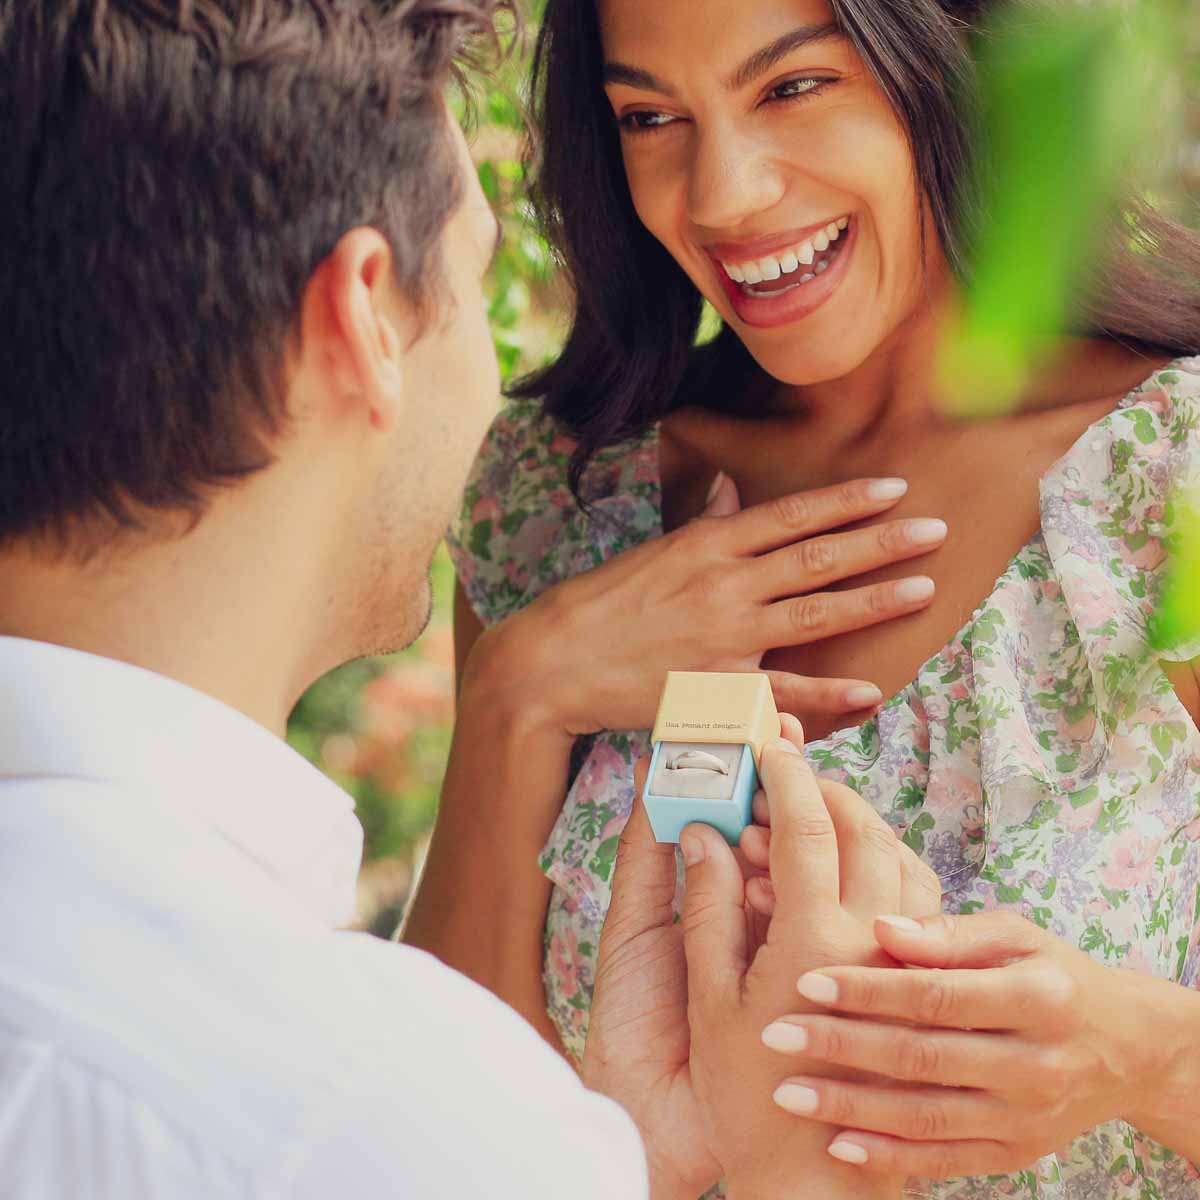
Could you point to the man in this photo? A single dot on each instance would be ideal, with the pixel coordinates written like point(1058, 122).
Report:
point(243, 370)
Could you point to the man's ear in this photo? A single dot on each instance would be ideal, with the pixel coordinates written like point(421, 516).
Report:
point(349, 316)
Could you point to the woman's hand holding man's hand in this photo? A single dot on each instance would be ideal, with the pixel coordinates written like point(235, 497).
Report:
point(591, 652)
point(679, 1008)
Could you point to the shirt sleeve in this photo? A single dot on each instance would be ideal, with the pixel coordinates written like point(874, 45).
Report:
point(466, 1100)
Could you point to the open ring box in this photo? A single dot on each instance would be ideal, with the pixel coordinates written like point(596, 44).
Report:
point(708, 743)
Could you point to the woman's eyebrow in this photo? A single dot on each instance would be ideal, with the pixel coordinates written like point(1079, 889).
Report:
point(757, 64)
point(761, 61)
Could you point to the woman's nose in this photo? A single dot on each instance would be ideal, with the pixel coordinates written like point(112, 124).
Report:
point(732, 179)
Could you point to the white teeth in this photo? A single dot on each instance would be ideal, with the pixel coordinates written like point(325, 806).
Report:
point(807, 278)
point(820, 267)
point(768, 268)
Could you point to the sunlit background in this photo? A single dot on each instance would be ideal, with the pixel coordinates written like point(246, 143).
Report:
point(381, 727)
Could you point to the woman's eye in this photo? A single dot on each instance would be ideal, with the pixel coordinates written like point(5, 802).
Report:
point(644, 122)
point(793, 89)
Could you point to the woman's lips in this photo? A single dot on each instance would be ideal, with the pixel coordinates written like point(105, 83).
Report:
point(766, 312)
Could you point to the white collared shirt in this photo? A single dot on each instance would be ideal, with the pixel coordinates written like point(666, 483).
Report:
point(179, 1017)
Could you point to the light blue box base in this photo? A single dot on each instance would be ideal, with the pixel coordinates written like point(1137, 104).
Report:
point(670, 815)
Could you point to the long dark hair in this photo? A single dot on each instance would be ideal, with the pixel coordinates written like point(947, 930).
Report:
point(630, 356)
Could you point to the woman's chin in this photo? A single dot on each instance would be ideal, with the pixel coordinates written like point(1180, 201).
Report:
point(803, 365)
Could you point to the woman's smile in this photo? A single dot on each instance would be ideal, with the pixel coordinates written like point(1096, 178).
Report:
point(789, 282)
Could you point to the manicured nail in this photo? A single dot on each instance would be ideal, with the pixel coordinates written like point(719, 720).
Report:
point(925, 532)
point(905, 923)
point(715, 488)
point(914, 590)
point(863, 696)
point(820, 989)
point(887, 489)
point(783, 745)
point(796, 1099)
point(849, 1152)
point(693, 849)
point(785, 1037)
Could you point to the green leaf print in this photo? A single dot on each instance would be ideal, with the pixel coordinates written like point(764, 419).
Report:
point(914, 835)
point(481, 539)
point(601, 862)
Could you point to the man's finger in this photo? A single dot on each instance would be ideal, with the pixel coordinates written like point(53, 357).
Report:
point(643, 892)
point(804, 851)
point(990, 939)
point(714, 917)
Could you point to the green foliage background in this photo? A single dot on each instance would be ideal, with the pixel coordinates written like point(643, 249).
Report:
point(381, 726)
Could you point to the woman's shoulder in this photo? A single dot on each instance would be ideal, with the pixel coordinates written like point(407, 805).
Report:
point(1111, 511)
point(520, 528)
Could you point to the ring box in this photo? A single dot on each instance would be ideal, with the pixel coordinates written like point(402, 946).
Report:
point(708, 742)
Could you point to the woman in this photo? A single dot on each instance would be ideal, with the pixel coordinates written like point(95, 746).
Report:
point(1034, 749)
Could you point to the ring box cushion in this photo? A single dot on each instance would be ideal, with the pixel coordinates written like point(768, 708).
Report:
point(728, 714)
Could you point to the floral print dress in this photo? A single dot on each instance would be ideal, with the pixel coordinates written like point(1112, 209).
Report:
point(1040, 762)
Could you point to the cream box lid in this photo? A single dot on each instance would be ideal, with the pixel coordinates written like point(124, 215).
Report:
point(717, 706)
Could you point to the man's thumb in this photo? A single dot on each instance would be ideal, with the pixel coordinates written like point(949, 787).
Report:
point(723, 500)
point(714, 912)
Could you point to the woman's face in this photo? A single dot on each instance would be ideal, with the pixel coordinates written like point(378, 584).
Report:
point(764, 156)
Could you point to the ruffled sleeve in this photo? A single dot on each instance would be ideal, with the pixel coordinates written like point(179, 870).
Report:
point(520, 530)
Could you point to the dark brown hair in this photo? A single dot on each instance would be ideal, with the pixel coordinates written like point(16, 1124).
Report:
point(174, 171)
point(630, 356)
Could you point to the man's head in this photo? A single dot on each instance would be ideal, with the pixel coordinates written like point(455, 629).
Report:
point(242, 242)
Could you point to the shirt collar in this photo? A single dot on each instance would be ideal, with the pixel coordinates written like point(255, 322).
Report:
point(68, 714)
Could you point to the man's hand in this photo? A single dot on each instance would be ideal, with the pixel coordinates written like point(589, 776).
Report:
point(702, 1093)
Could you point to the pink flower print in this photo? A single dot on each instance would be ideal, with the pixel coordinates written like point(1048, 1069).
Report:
point(1126, 1177)
point(1097, 907)
point(577, 882)
point(1077, 820)
point(487, 508)
point(1191, 832)
point(1091, 607)
point(1158, 399)
point(1051, 589)
point(604, 765)
point(1080, 731)
point(614, 827)
point(564, 961)
point(958, 691)
point(949, 789)
point(563, 444)
point(1155, 512)
point(1146, 557)
point(1131, 860)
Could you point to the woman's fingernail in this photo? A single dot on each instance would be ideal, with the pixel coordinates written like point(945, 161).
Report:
point(914, 590)
point(926, 531)
point(887, 489)
point(784, 746)
point(714, 488)
point(692, 848)
point(820, 989)
point(796, 1098)
point(785, 1037)
point(905, 923)
point(863, 696)
point(849, 1152)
